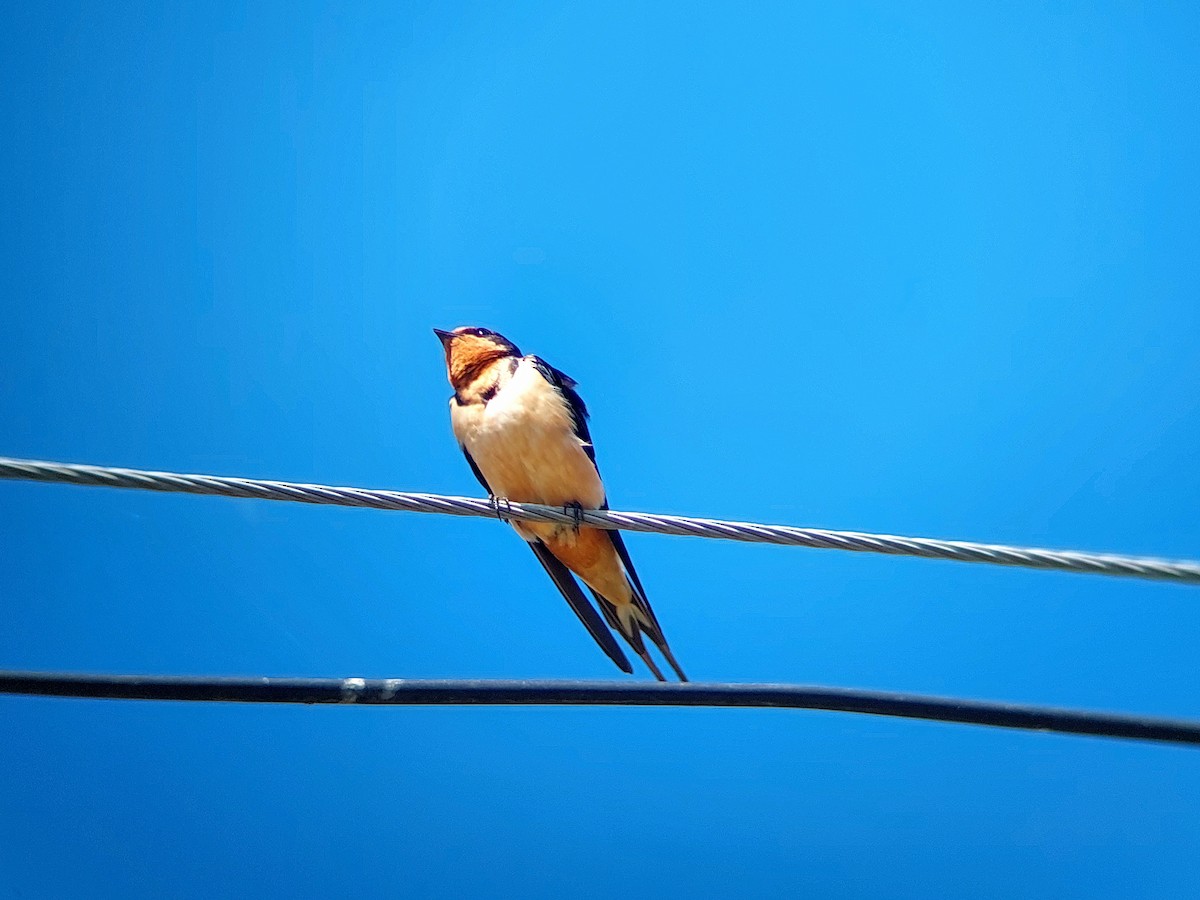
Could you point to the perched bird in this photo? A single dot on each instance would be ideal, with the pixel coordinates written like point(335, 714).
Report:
point(523, 430)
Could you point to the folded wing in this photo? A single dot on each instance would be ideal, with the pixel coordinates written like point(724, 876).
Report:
point(569, 588)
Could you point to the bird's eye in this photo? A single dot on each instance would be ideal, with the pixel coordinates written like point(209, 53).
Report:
point(480, 332)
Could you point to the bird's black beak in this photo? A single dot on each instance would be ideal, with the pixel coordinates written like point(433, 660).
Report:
point(444, 336)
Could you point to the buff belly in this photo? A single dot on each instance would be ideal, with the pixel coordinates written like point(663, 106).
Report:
point(523, 441)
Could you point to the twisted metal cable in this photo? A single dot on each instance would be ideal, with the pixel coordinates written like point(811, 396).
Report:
point(1179, 571)
point(469, 692)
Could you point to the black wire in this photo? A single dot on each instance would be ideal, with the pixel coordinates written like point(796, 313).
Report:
point(438, 692)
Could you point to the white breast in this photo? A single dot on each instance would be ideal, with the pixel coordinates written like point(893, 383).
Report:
point(523, 441)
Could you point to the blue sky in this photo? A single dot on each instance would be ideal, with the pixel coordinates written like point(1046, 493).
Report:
point(925, 269)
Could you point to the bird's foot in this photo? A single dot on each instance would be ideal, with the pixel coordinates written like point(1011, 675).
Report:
point(574, 509)
point(501, 506)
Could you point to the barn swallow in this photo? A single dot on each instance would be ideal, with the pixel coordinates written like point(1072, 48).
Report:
point(524, 432)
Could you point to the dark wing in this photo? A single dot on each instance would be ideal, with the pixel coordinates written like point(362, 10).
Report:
point(654, 630)
point(475, 468)
point(565, 385)
point(569, 587)
point(566, 584)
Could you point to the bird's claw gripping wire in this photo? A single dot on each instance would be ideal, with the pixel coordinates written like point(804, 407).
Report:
point(574, 509)
point(497, 502)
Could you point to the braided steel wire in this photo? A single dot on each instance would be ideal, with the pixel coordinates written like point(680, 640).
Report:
point(471, 692)
point(1179, 571)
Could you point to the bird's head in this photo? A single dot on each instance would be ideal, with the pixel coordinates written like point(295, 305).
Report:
point(470, 350)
